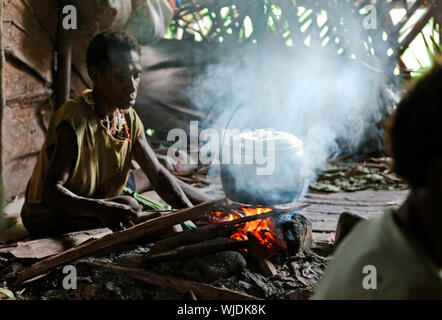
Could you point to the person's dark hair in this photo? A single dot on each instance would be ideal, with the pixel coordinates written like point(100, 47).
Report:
point(109, 41)
point(414, 131)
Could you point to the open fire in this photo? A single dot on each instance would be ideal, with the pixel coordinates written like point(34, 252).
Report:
point(260, 229)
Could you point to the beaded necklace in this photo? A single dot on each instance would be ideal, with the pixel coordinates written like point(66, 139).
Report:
point(88, 98)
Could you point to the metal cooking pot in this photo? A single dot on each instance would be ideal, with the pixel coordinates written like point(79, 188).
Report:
point(253, 180)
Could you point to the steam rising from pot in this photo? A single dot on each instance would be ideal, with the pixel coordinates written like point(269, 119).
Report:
point(329, 101)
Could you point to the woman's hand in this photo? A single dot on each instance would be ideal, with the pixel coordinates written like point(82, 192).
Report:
point(120, 213)
point(127, 200)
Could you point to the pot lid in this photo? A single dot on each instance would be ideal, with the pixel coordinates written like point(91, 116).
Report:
point(262, 138)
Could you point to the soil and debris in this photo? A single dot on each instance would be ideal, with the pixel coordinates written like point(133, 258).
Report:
point(297, 277)
point(375, 174)
point(337, 176)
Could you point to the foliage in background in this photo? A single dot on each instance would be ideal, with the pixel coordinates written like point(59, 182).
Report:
point(421, 35)
point(375, 174)
point(309, 24)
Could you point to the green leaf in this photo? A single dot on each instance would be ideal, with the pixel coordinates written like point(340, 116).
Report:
point(188, 225)
point(361, 169)
point(146, 203)
point(325, 187)
point(330, 169)
point(350, 184)
point(373, 177)
point(332, 175)
point(7, 293)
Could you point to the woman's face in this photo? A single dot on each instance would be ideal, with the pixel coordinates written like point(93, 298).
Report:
point(119, 79)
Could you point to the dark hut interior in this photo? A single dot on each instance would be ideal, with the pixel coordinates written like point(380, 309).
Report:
point(320, 77)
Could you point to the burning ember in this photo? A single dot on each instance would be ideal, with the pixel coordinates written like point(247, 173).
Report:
point(260, 229)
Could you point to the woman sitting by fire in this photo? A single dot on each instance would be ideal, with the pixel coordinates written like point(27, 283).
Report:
point(85, 160)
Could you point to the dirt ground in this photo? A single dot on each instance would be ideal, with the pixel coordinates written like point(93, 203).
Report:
point(365, 189)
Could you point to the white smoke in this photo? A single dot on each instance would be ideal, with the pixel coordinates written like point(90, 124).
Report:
point(314, 93)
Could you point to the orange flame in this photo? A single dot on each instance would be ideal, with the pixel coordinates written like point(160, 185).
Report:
point(259, 228)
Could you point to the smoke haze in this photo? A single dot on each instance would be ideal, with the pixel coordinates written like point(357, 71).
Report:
point(327, 100)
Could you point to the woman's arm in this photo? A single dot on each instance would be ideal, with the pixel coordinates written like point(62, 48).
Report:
point(195, 195)
point(162, 181)
point(143, 184)
point(58, 197)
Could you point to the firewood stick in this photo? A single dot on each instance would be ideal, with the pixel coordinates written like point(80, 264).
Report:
point(146, 216)
point(204, 233)
point(198, 249)
point(210, 231)
point(255, 250)
point(161, 211)
point(119, 237)
point(203, 290)
point(152, 214)
point(192, 295)
point(188, 238)
point(233, 206)
point(235, 222)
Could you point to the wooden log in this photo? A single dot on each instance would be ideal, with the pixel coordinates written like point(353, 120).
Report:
point(211, 231)
point(64, 61)
point(202, 290)
point(198, 249)
point(267, 267)
point(2, 107)
point(119, 237)
point(42, 248)
point(255, 250)
point(294, 233)
point(149, 215)
point(161, 211)
point(204, 233)
point(188, 238)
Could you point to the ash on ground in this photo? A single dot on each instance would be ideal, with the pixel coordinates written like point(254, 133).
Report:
point(297, 277)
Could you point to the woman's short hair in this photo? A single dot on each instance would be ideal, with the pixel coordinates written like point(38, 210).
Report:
point(109, 41)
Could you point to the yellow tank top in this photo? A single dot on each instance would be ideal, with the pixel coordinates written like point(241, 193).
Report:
point(103, 162)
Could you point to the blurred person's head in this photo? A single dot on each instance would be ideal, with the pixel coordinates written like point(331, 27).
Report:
point(414, 132)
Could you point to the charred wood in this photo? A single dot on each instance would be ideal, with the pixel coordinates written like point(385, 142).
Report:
point(202, 290)
point(255, 250)
point(198, 249)
point(204, 233)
